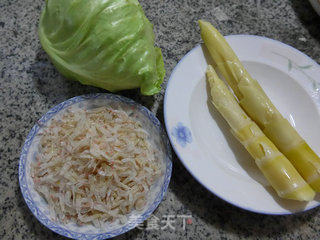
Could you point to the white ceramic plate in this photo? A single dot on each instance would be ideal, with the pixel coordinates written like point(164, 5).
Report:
point(202, 140)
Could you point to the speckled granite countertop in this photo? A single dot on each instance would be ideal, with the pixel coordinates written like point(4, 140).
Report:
point(30, 85)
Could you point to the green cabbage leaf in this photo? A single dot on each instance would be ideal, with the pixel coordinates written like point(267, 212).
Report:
point(104, 43)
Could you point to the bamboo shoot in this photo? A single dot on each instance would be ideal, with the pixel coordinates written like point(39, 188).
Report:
point(259, 107)
point(278, 170)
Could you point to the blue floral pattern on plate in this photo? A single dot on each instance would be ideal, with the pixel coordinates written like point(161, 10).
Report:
point(182, 134)
point(60, 228)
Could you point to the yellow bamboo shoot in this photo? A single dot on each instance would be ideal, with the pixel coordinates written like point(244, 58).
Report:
point(277, 169)
point(259, 107)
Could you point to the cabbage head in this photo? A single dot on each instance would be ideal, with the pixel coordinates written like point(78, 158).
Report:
point(104, 43)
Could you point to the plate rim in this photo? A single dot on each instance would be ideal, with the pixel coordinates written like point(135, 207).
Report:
point(177, 151)
point(57, 227)
point(316, 6)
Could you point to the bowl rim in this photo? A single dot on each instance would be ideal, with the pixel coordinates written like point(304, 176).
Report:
point(55, 226)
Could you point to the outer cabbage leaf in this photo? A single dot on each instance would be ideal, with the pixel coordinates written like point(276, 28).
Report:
point(104, 43)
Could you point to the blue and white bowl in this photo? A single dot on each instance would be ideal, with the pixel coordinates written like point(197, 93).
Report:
point(39, 206)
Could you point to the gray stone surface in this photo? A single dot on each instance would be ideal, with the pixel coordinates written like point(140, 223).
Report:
point(30, 85)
